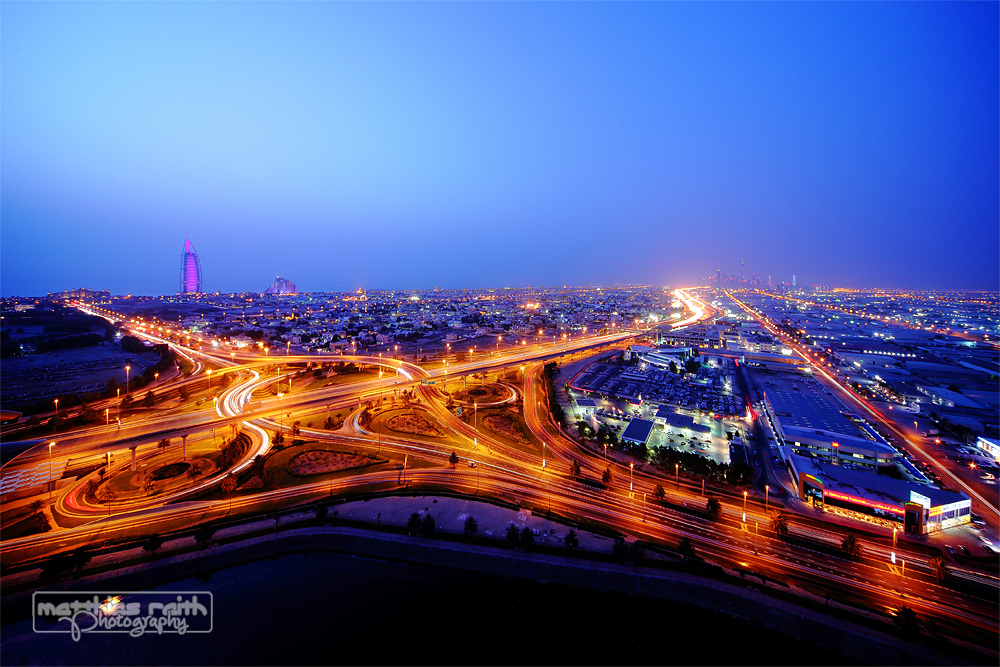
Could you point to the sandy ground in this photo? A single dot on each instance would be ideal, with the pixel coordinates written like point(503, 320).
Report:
point(36, 376)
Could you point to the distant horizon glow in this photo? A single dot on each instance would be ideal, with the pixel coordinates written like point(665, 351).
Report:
point(476, 145)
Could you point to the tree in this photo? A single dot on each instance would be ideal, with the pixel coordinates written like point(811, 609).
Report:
point(685, 548)
point(513, 535)
point(620, 549)
point(229, 485)
point(163, 444)
point(692, 365)
point(106, 496)
point(908, 623)
point(194, 472)
point(153, 544)
point(606, 477)
point(453, 459)
point(321, 513)
point(584, 430)
point(714, 508)
point(471, 526)
point(673, 368)
point(779, 523)
point(257, 467)
point(79, 558)
point(852, 546)
point(148, 484)
point(296, 428)
point(413, 525)
point(659, 493)
point(939, 568)
point(203, 535)
point(527, 537)
point(111, 388)
point(574, 468)
point(149, 401)
point(572, 541)
point(427, 525)
point(184, 394)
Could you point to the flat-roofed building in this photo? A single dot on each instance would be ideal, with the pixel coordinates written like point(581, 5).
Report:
point(920, 508)
point(637, 431)
point(805, 421)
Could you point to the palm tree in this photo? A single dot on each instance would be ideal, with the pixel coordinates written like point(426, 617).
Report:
point(908, 623)
point(427, 525)
point(147, 484)
point(574, 468)
point(194, 471)
point(153, 544)
point(107, 495)
point(453, 459)
point(413, 525)
point(228, 487)
point(659, 493)
point(203, 535)
point(939, 568)
point(606, 477)
point(471, 526)
point(527, 538)
point(163, 444)
point(572, 541)
point(714, 508)
point(779, 523)
point(852, 546)
point(512, 535)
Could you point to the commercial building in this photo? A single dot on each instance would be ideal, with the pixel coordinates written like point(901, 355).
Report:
point(807, 423)
point(990, 446)
point(190, 269)
point(920, 508)
point(637, 431)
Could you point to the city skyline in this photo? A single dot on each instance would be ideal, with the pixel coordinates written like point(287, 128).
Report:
point(351, 146)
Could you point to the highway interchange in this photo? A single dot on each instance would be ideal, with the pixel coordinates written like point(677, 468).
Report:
point(513, 474)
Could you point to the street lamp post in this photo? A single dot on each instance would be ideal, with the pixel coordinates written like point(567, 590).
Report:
point(156, 379)
point(677, 476)
point(50, 472)
point(127, 369)
point(630, 467)
point(892, 554)
point(902, 579)
point(744, 507)
point(767, 493)
point(56, 401)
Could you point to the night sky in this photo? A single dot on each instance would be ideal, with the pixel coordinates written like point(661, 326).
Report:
point(408, 146)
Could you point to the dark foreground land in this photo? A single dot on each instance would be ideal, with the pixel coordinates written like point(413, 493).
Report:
point(324, 608)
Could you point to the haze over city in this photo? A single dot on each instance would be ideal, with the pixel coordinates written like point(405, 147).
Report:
point(441, 333)
point(488, 145)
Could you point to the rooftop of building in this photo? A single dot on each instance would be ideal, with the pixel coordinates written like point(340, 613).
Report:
point(869, 484)
point(800, 402)
point(638, 430)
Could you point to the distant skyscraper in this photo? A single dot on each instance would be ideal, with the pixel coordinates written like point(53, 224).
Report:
point(793, 280)
point(742, 279)
point(190, 269)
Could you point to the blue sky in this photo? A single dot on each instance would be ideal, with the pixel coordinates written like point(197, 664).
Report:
point(407, 146)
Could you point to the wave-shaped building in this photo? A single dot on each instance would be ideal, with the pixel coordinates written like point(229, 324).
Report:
point(281, 286)
point(190, 269)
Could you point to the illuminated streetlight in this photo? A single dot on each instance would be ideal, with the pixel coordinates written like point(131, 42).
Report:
point(630, 467)
point(50, 473)
point(767, 493)
point(677, 475)
point(744, 507)
point(127, 369)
